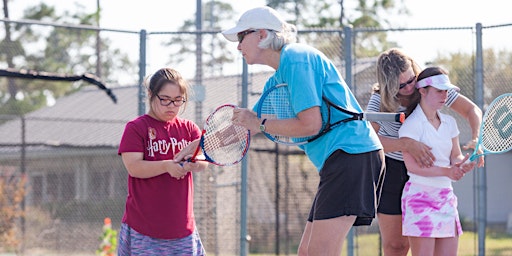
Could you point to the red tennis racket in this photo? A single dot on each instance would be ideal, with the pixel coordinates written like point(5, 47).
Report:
point(222, 142)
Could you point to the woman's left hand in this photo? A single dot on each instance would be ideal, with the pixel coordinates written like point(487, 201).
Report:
point(246, 118)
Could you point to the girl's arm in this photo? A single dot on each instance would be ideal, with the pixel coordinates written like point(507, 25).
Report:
point(139, 168)
point(456, 154)
point(453, 172)
point(457, 159)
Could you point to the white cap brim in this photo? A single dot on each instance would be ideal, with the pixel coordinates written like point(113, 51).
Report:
point(441, 82)
point(231, 34)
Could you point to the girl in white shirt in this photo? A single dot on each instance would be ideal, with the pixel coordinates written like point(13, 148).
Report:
point(430, 218)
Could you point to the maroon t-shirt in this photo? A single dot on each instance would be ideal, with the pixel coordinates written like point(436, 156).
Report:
point(161, 206)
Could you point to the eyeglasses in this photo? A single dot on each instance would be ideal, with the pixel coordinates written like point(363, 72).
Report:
point(167, 101)
point(242, 34)
point(402, 85)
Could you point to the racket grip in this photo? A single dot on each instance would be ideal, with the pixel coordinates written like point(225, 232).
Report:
point(384, 117)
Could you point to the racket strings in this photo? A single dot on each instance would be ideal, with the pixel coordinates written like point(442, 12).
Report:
point(224, 143)
point(497, 128)
point(276, 105)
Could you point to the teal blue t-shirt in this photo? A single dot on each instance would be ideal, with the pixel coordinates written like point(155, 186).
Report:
point(309, 75)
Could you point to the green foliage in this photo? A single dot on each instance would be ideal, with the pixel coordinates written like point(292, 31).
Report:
point(215, 52)
point(296, 9)
point(12, 193)
point(302, 13)
point(67, 51)
point(108, 240)
point(19, 107)
point(365, 14)
point(8, 46)
point(497, 66)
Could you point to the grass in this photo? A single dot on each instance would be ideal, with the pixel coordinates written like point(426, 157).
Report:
point(495, 244)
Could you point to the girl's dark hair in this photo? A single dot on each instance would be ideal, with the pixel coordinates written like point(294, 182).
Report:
point(431, 71)
point(427, 72)
point(164, 76)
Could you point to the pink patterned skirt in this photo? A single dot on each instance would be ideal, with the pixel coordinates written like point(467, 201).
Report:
point(429, 211)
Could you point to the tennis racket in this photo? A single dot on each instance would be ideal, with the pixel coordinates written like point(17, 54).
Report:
point(275, 104)
point(222, 142)
point(496, 129)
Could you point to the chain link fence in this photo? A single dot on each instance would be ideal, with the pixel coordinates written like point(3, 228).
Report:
point(67, 152)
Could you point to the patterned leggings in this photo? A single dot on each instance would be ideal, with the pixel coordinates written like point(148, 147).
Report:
point(133, 243)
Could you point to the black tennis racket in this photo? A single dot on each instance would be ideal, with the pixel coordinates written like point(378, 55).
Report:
point(222, 142)
point(275, 104)
point(496, 128)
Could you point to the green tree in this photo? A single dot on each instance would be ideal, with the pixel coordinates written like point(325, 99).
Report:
point(461, 66)
point(372, 15)
point(304, 14)
point(54, 49)
point(215, 52)
point(333, 14)
point(12, 193)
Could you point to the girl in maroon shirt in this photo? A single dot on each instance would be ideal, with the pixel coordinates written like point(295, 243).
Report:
point(159, 215)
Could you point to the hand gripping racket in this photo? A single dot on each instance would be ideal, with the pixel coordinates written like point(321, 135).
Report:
point(222, 142)
point(275, 104)
point(496, 129)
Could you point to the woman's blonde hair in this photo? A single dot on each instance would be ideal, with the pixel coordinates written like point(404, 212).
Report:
point(390, 65)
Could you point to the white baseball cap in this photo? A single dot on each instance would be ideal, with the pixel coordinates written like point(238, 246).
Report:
point(441, 82)
point(257, 18)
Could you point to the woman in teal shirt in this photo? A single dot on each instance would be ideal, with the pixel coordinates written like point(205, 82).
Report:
point(349, 158)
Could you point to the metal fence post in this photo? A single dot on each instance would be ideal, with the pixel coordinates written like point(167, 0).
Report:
point(244, 237)
point(142, 71)
point(481, 173)
point(349, 79)
point(347, 43)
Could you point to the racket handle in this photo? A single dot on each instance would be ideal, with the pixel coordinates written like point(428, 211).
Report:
point(384, 117)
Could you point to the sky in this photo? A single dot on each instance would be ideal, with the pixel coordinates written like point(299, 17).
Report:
point(168, 15)
point(142, 14)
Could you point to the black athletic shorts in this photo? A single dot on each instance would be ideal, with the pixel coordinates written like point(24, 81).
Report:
point(394, 182)
point(349, 185)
